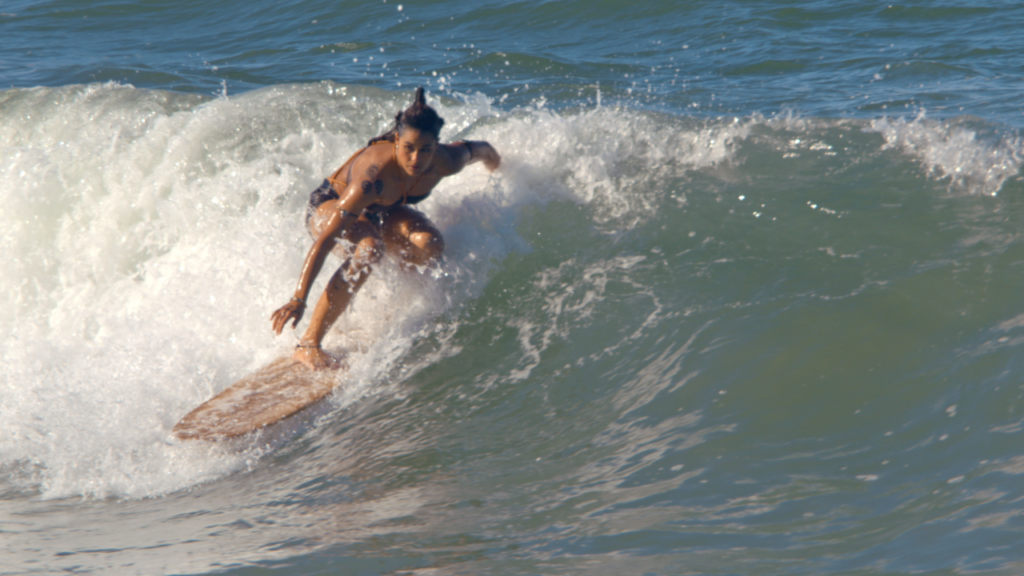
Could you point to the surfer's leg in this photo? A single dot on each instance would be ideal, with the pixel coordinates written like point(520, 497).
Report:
point(340, 289)
point(363, 247)
point(411, 236)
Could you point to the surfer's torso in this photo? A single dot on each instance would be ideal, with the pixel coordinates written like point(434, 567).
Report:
point(382, 184)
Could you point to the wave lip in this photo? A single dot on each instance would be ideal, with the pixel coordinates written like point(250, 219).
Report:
point(954, 151)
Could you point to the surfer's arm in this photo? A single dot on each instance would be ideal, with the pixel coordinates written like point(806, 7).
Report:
point(466, 152)
point(293, 310)
point(333, 229)
point(347, 210)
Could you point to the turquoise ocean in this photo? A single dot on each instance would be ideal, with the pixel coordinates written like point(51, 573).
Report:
point(746, 296)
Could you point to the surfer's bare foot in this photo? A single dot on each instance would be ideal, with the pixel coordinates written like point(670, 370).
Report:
point(314, 358)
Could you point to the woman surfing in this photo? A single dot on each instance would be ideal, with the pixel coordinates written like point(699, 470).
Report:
point(364, 208)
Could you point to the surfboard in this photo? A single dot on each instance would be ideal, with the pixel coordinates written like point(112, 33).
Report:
point(264, 397)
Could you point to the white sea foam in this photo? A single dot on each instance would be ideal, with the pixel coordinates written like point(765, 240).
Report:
point(952, 151)
point(150, 239)
point(613, 159)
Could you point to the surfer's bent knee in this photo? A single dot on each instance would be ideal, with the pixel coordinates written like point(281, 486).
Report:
point(431, 244)
point(411, 227)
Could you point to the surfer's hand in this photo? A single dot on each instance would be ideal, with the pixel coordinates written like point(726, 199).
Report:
point(291, 310)
point(489, 156)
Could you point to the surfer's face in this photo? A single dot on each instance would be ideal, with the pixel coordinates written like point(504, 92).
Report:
point(415, 150)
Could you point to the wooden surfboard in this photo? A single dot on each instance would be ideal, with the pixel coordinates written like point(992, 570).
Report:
point(268, 395)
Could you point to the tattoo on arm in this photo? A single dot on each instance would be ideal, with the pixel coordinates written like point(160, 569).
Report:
point(372, 171)
point(379, 185)
point(367, 186)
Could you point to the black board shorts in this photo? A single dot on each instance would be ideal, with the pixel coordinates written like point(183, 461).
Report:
point(326, 192)
point(322, 194)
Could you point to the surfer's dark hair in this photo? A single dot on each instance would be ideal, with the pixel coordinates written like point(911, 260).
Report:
point(418, 115)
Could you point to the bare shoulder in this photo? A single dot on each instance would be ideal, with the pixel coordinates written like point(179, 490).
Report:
point(368, 168)
point(372, 160)
point(367, 183)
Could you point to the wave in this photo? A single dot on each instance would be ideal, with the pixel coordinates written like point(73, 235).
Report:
point(150, 234)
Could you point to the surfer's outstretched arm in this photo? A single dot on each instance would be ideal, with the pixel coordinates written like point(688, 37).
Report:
point(466, 152)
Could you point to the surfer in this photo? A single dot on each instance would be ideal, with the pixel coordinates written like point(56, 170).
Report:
point(364, 208)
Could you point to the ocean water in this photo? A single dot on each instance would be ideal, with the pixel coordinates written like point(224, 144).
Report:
point(745, 297)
